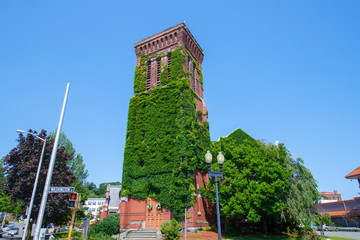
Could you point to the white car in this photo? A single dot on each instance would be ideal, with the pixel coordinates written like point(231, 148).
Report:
point(13, 231)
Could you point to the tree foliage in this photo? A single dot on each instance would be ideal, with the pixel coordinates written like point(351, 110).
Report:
point(76, 163)
point(20, 167)
point(77, 168)
point(262, 183)
point(100, 192)
point(301, 196)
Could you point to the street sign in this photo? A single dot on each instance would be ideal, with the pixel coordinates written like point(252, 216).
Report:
point(215, 174)
point(62, 190)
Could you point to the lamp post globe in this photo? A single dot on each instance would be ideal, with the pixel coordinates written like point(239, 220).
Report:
point(208, 157)
point(220, 158)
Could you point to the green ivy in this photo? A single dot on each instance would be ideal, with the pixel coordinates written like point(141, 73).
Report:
point(197, 69)
point(165, 143)
point(140, 76)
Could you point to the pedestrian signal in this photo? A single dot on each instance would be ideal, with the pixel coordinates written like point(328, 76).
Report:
point(73, 200)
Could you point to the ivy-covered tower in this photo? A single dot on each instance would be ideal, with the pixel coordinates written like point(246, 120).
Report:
point(167, 130)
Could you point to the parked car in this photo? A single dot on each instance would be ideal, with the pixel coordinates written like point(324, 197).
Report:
point(328, 228)
point(64, 229)
point(7, 227)
point(13, 231)
point(1, 232)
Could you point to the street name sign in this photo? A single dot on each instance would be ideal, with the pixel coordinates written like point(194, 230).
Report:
point(62, 190)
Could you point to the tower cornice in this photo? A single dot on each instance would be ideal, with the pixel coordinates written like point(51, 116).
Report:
point(168, 40)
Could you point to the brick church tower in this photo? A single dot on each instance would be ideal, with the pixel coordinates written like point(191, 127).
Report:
point(159, 46)
point(167, 134)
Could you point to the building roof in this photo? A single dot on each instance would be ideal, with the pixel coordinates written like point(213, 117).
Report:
point(181, 25)
point(354, 174)
point(337, 213)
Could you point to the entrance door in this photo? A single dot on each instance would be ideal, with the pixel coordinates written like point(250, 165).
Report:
point(154, 214)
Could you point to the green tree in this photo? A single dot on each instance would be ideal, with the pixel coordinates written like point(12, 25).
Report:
point(262, 183)
point(76, 163)
point(100, 192)
point(77, 168)
point(5, 204)
point(301, 197)
point(20, 167)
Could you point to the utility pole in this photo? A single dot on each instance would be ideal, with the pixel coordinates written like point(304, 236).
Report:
point(50, 169)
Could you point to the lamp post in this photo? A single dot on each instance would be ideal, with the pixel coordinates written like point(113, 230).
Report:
point(35, 183)
point(216, 174)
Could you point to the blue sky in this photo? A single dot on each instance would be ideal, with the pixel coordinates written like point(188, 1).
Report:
point(279, 70)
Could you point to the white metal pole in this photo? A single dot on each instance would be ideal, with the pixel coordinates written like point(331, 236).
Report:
point(51, 168)
point(34, 190)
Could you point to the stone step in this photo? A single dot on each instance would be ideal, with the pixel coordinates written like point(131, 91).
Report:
point(141, 235)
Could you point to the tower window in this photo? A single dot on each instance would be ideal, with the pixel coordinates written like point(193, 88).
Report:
point(194, 77)
point(148, 74)
point(158, 70)
point(168, 64)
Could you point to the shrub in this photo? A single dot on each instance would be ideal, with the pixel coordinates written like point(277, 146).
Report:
point(171, 230)
point(106, 228)
point(61, 235)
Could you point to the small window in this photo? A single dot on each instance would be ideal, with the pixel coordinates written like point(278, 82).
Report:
point(333, 198)
point(148, 74)
point(168, 63)
point(338, 198)
point(158, 71)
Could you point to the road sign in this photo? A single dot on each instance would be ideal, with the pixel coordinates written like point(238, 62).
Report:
point(62, 190)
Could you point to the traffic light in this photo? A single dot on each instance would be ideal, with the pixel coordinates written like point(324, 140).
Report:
point(78, 200)
point(72, 201)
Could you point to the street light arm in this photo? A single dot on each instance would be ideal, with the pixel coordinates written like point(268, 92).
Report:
point(22, 131)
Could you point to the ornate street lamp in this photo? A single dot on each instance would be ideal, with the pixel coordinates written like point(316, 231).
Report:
point(35, 183)
point(216, 174)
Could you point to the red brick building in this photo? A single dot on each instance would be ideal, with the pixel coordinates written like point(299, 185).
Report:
point(136, 214)
point(330, 196)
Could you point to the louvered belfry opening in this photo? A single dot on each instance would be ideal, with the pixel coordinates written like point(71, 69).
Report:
point(168, 64)
point(148, 74)
point(158, 70)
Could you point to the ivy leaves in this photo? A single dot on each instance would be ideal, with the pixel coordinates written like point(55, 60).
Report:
point(165, 143)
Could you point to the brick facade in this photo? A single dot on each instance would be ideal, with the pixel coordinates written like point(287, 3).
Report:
point(331, 196)
point(164, 42)
point(135, 213)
